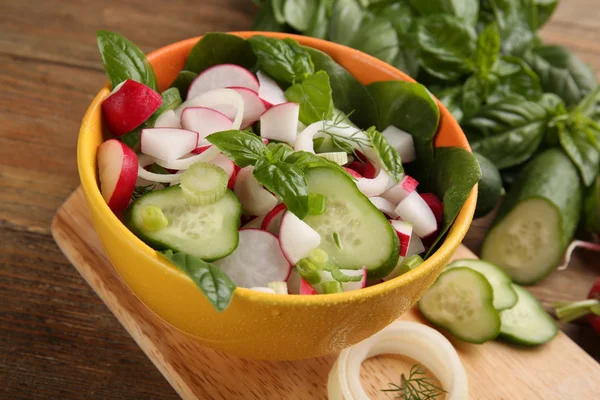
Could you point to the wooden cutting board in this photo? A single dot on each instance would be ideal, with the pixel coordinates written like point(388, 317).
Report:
point(557, 370)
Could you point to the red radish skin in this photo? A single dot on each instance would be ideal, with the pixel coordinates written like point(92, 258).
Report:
point(273, 219)
point(365, 170)
point(254, 107)
point(404, 231)
point(201, 149)
point(222, 76)
point(401, 190)
point(352, 172)
point(435, 204)
point(118, 171)
point(129, 106)
point(306, 289)
point(594, 319)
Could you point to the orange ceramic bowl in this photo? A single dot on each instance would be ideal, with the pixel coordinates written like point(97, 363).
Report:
point(259, 325)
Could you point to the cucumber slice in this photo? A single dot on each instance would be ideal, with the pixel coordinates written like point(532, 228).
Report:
point(366, 238)
point(504, 295)
point(206, 231)
point(461, 301)
point(537, 219)
point(527, 323)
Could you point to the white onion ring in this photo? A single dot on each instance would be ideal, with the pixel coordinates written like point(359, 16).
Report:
point(217, 97)
point(420, 342)
point(144, 160)
point(185, 163)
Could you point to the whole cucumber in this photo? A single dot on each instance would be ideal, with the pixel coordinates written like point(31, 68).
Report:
point(537, 219)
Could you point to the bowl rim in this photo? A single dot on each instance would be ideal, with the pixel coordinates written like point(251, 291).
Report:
point(88, 175)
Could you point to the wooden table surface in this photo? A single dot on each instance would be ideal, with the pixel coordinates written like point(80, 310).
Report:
point(57, 339)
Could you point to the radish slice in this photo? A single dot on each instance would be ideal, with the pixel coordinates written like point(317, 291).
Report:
point(256, 261)
point(221, 76)
point(401, 190)
point(404, 231)
point(269, 90)
point(350, 286)
point(225, 163)
point(117, 169)
point(376, 186)
point(255, 199)
point(401, 141)
point(414, 209)
point(167, 144)
point(254, 223)
point(353, 172)
point(435, 204)
point(280, 122)
point(575, 244)
point(293, 282)
point(254, 107)
point(297, 238)
point(168, 119)
point(144, 161)
point(305, 288)
point(365, 169)
point(205, 121)
point(384, 206)
point(415, 246)
point(217, 98)
point(185, 162)
point(423, 344)
point(273, 219)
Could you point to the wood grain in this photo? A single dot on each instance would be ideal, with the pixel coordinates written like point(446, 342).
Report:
point(57, 339)
point(198, 373)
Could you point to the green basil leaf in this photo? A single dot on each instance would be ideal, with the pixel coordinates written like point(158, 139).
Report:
point(514, 23)
point(171, 99)
point(298, 13)
point(282, 59)
point(591, 207)
point(124, 60)
point(349, 95)
point(132, 138)
point(507, 132)
point(488, 50)
point(466, 9)
point(287, 181)
point(562, 72)
point(389, 157)
point(583, 153)
point(219, 48)
point(346, 18)
point(242, 147)
point(545, 9)
point(455, 172)
point(183, 81)
point(314, 96)
point(515, 77)
point(278, 10)
point(447, 46)
point(266, 21)
point(278, 152)
point(452, 98)
point(212, 281)
point(472, 96)
point(319, 23)
point(590, 105)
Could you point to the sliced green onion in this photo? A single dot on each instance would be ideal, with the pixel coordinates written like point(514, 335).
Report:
point(338, 240)
point(339, 276)
point(308, 271)
point(338, 157)
point(318, 256)
point(203, 183)
point(317, 204)
point(331, 287)
point(153, 218)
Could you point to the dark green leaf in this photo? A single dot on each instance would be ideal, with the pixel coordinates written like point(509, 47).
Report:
point(266, 21)
point(488, 50)
point(545, 9)
point(278, 152)
point(583, 153)
point(124, 60)
point(349, 95)
point(513, 19)
point(345, 20)
point(171, 99)
point(472, 96)
point(278, 10)
point(132, 138)
point(448, 46)
point(507, 132)
point(455, 172)
point(212, 281)
point(287, 181)
point(314, 96)
point(562, 72)
point(389, 157)
point(298, 13)
point(466, 9)
point(282, 59)
point(515, 78)
point(590, 105)
point(242, 147)
point(183, 81)
point(318, 24)
point(591, 207)
point(220, 48)
point(452, 98)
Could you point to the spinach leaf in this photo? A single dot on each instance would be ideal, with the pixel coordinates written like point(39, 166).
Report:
point(466, 9)
point(219, 48)
point(212, 281)
point(447, 46)
point(455, 172)
point(389, 157)
point(544, 9)
point(562, 72)
point(584, 154)
point(266, 21)
point(242, 147)
point(349, 95)
point(514, 22)
point(285, 180)
point(171, 99)
point(318, 23)
point(183, 81)
point(507, 132)
point(314, 96)
point(124, 60)
point(515, 78)
point(282, 59)
point(452, 98)
point(298, 13)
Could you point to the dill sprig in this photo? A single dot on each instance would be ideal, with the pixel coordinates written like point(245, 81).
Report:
point(347, 143)
point(139, 191)
point(418, 386)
